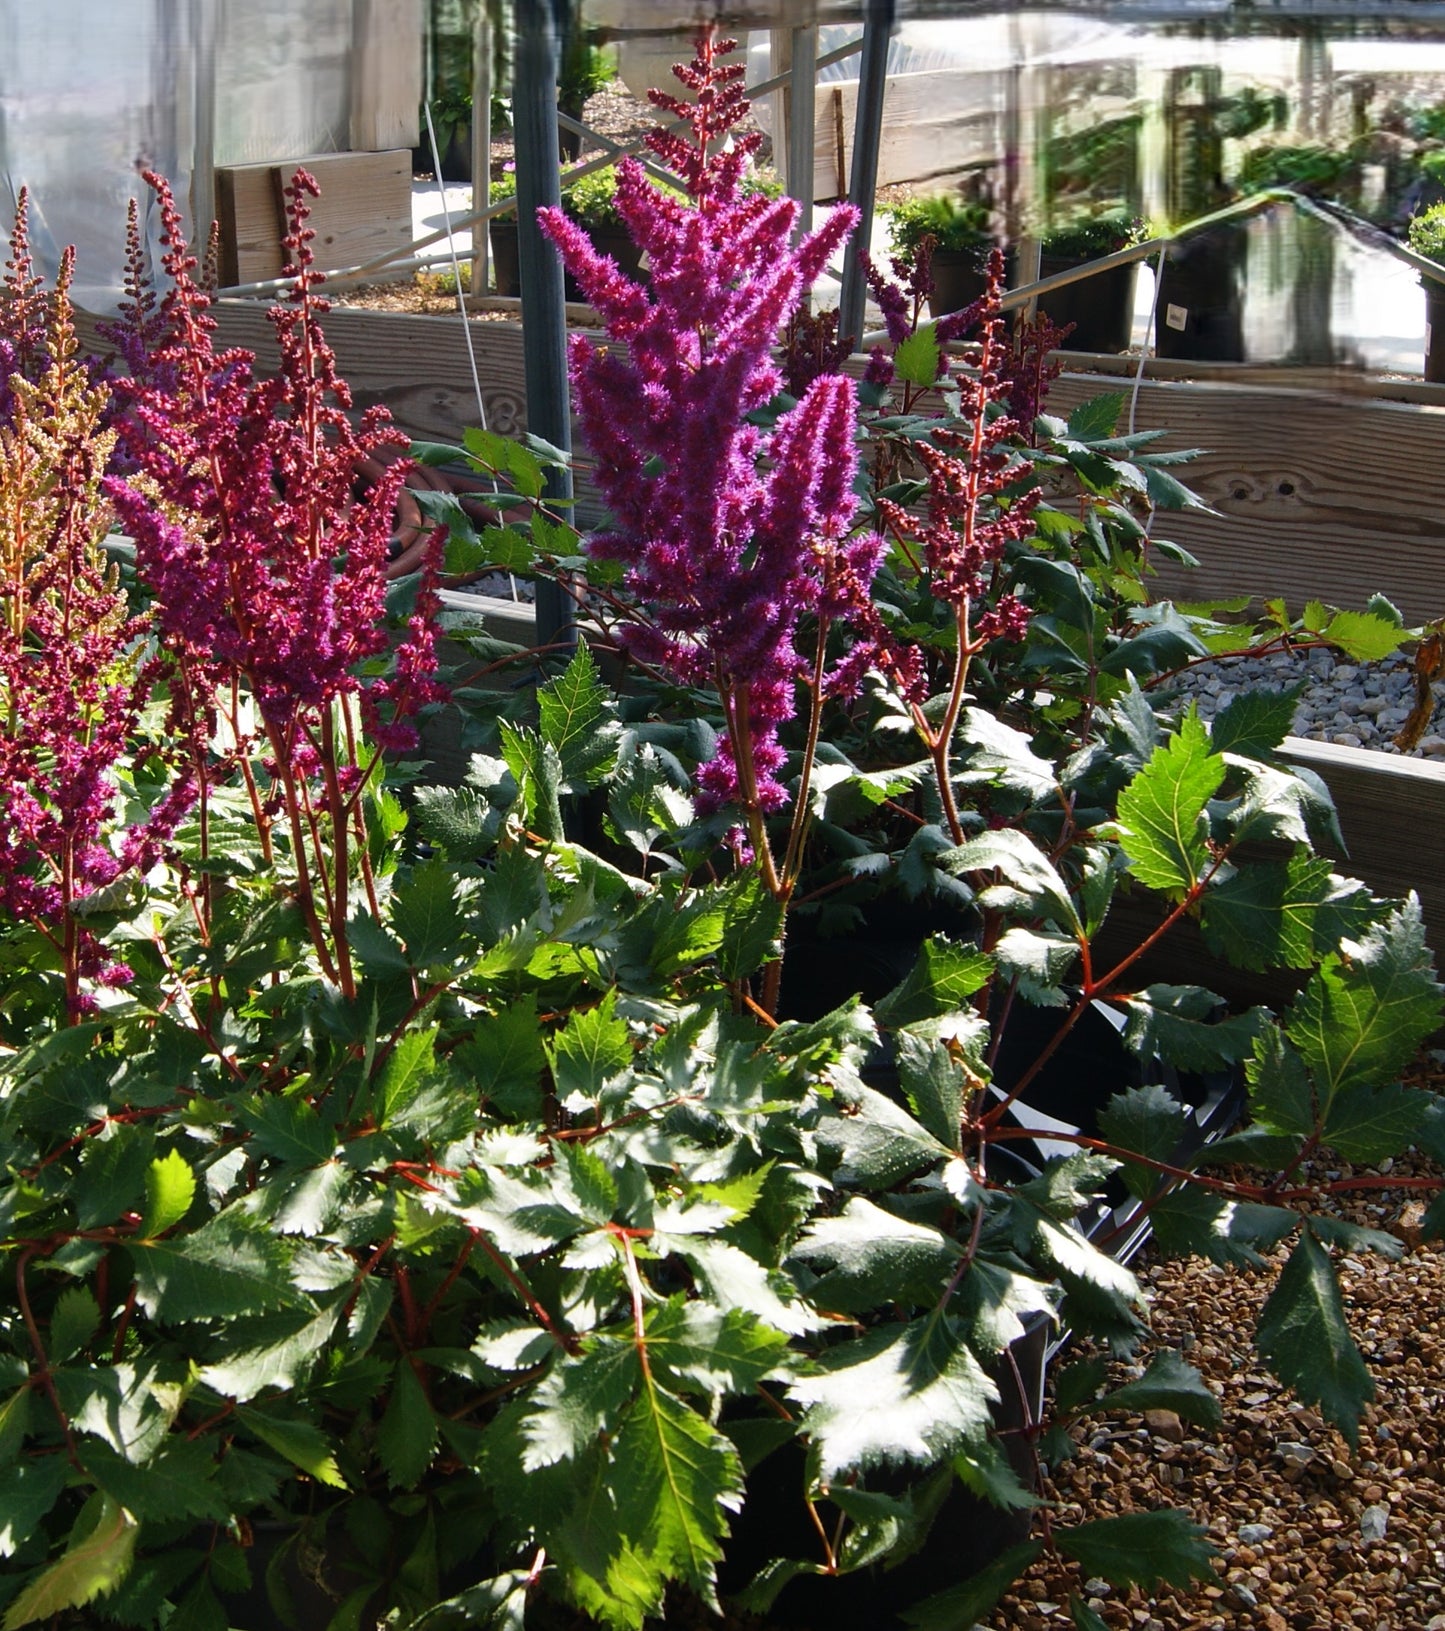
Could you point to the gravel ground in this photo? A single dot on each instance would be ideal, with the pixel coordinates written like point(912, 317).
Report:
point(1352, 704)
point(1309, 1534)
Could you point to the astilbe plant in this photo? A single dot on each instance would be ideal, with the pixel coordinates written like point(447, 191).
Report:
point(268, 570)
point(74, 674)
point(734, 537)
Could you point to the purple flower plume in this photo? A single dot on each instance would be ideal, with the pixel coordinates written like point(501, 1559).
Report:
point(727, 530)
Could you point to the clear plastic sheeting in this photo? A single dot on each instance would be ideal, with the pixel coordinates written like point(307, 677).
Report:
point(282, 79)
point(89, 96)
point(92, 94)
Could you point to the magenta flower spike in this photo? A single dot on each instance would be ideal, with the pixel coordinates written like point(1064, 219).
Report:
point(727, 530)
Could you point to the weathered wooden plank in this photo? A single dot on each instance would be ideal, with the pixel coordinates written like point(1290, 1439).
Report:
point(364, 211)
point(386, 74)
point(1317, 496)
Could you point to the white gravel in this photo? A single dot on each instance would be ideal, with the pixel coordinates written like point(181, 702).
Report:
point(1350, 704)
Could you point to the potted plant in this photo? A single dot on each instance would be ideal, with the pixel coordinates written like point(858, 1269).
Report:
point(1101, 308)
point(419, 1183)
point(502, 235)
point(962, 237)
point(1199, 311)
point(1426, 237)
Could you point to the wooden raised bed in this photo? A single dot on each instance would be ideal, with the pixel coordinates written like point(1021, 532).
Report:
point(1334, 493)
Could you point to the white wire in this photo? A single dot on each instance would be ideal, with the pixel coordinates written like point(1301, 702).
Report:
point(457, 277)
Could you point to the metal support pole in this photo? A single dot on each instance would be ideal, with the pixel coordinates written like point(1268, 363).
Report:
point(863, 182)
point(544, 313)
point(801, 120)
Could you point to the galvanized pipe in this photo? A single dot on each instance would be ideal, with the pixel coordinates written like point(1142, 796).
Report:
point(863, 178)
point(544, 314)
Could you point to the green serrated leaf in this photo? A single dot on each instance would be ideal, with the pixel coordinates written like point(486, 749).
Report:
point(458, 820)
point(1146, 1121)
point(170, 1186)
point(504, 1060)
point(942, 979)
point(1095, 421)
point(898, 1395)
point(1366, 1124)
point(1280, 1095)
point(410, 1066)
point(295, 1441)
point(224, 1269)
point(1364, 637)
point(113, 1173)
point(1032, 888)
point(427, 916)
point(962, 1607)
point(28, 1490)
point(1077, 1384)
point(1365, 1011)
point(406, 1438)
point(1163, 809)
point(703, 1349)
point(1183, 1025)
point(752, 931)
point(288, 1129)
point(1140, 1548)
point(1303, 1337)
point(589, 1051)
point(1254, 723)
point(581, 1396)
point(1263, 915)
point(1170, 1383)
point(178, 1483)
point(937, 1079)
point(573, 714)
point(915, 358)
point(274, 1350)
point(869, 1256)
point(95, 1561)
point(537, 770)
point(75, 1319)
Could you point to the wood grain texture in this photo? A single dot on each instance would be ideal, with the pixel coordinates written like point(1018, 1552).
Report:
point(386, 74)
point(1385, 528)
point(364, 210)
point(1317, 496)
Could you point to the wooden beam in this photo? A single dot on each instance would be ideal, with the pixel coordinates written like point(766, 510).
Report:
point(364, 210)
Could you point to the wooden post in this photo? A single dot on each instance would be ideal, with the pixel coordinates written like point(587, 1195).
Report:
point(802, 115)
point(481, 147)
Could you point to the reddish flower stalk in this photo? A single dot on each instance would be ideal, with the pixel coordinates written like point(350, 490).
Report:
point(268, 572)
point(968, 527)
point(71, 682)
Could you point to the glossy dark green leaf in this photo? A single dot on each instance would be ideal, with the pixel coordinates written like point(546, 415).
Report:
point(1140, 1548)
point(1303, 1336)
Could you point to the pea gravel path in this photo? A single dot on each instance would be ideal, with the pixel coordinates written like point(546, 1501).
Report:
point(1309, 1535)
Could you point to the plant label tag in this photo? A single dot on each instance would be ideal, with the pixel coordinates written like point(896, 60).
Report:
point(1176, 317)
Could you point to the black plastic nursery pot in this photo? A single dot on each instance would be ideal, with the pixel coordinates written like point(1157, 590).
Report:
point(506, 266)
point(1061, 1102)
point(506, 273)
point(1199, 309)
point(958, 280)
point(1100, 307)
